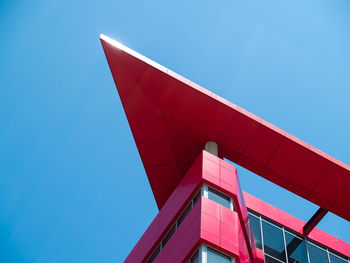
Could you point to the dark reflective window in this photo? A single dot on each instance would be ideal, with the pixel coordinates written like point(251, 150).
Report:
point(273, 241)
point(253, 213)
point(154, 255)
point(296, 249)
point(184, 214)
point(196, 197)
point(299, 249)
point(316, 254)
point(214, 256)
point(269, 259)
point(195, 258)
point(255, 223)
point(336, 259)
point(218, 197)
point(168, 236)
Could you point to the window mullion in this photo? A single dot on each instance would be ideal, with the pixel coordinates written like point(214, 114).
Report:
point(205, 191)
point(307, 250)
point(285, 245)
point(203, 254)
point(329, 260)
point(262, 234)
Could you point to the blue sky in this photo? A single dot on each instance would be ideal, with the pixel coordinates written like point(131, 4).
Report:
point(72, 186)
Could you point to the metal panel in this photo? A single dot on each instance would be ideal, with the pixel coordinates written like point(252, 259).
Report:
point(150, 92)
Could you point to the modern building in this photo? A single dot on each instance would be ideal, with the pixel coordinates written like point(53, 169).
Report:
point(184, 135)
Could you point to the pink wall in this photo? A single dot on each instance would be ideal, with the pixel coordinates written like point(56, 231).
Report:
point(207, 222)
point(167, 215)
point(185, 240)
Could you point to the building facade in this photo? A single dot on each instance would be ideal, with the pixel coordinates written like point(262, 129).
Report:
point(184, 133)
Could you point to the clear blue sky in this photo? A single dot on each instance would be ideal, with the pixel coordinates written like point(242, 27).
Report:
point(72, 186)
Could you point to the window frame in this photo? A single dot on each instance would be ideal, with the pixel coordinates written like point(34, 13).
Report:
point(203, 254)
point(205, 193)
point(279, 227)
point(306, 240)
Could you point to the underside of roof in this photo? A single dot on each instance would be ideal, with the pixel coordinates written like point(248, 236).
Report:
point(171, 119)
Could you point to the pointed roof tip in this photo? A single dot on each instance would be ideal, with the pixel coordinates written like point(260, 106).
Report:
point(114, 43)
point(105, 39)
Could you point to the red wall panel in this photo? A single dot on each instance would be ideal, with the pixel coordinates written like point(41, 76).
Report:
point(207, 222)
point(185, 239)
point(166, 216)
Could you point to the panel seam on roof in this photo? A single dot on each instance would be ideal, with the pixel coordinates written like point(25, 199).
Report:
point(249, 142)
point(187, 127)
point(321, 177)
point(172, 147)
point(340, 194)
point(225, 126)
point(273, 154)
point(298, 164)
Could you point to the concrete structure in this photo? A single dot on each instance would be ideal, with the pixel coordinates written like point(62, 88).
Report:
point(182, 133)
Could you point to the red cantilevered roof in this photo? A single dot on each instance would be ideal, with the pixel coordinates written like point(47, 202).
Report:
point(172, 118)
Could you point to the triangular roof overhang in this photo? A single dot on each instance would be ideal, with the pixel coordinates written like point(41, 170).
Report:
point(171, 118)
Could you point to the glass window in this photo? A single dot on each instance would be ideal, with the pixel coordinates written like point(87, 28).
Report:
point(253, 213)
point(255, 223)
point(154, 255)
point(196, 197)
point(184, 214)
point(168, 236)
point(269, 259)
point(336, 259)
point(296, 249)
point(273, 241)
point(214, 256)
point(316, 254)
point(279, 242)
point(219, 197)
point(195, 258)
